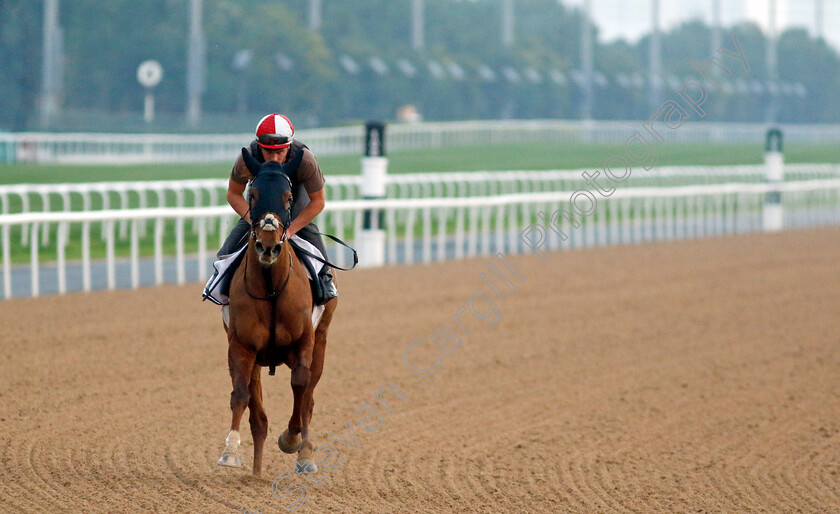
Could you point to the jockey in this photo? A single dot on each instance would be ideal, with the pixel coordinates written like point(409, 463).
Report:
point(275, 141)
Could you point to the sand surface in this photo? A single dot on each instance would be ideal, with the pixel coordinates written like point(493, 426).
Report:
point(697, 376)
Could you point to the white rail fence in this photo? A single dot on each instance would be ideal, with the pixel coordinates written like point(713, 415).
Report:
point(22, 198)
point(52, 148)
point(488, 183)
point(418, 230)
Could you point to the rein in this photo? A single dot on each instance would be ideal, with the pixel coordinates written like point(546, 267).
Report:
point(324, 261)
point(271, 297)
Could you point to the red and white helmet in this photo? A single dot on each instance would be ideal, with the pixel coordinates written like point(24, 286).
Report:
point(275, 131)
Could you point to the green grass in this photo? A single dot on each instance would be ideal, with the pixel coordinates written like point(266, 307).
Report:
point(574, 156)
point(56, 174)
point(499, 158)
point(98, 248)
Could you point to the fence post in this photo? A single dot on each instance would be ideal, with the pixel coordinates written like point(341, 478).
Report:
point(374, 174)
point(774, 174)
point(7, 262)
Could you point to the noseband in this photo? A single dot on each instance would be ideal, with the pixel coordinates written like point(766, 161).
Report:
point(284, 223)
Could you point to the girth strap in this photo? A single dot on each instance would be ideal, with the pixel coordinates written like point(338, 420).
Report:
point(272, 324)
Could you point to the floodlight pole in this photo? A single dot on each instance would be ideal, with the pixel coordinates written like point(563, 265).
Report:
point(51, 78)
point(196, 54)
point(586, 60)
point(716, 23)
point(418, 24)
point(818, 18)
point(654, 56)
point(508, 22)
point(314, 15)
point(771, 60)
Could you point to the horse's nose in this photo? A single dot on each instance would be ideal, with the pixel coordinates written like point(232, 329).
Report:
point(264, 250)
point(268, 251)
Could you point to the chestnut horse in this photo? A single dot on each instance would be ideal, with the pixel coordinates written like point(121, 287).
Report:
point(271, 323)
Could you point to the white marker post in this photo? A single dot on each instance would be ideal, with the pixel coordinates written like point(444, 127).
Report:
point(774, 174)
point(149, 75)
point(374, 175)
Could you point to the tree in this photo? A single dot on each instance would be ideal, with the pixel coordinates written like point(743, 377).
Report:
point(815, 65)
point(300, 73)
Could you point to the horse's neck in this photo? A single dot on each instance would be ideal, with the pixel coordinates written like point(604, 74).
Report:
point(277, 272)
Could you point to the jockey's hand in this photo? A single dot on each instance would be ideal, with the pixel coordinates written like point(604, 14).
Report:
point(312, 209)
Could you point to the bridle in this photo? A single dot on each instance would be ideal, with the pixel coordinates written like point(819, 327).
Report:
point(266, 271)
point(272, 297)
point(285, 222)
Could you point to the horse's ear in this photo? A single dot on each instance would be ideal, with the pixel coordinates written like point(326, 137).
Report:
point(293, 164)
point(252, 164)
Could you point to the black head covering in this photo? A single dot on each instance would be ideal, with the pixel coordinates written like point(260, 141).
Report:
point(267, 188)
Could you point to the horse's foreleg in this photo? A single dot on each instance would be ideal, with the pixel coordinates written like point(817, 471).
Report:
point(257, 418)
point(300, 362)
point(290, 440)
point(241, 363)
point(307, 446)
point(318, 352)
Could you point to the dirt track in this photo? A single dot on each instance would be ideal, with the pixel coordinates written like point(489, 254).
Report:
point(686, 377)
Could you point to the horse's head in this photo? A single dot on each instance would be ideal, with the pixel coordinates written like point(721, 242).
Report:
point(270, 201)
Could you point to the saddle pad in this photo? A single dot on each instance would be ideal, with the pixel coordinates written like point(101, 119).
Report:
point(309, 247)
point(217, 288)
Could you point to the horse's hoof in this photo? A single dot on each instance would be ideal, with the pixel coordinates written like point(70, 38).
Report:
point(230, 460)
point(305, 467)
point(289, 446)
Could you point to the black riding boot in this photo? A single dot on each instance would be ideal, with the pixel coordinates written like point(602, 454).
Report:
point(325, 289)
point(327, 285)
